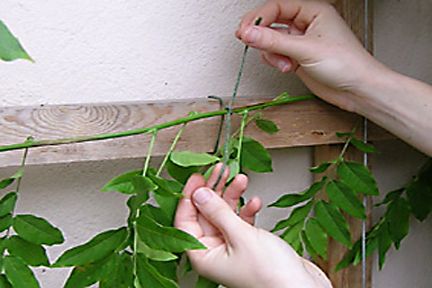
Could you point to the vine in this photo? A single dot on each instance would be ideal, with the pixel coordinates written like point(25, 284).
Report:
point(147, 250)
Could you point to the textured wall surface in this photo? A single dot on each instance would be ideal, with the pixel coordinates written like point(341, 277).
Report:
point(117, 50)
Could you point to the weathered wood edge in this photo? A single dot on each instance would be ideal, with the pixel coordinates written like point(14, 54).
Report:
point(301, 124)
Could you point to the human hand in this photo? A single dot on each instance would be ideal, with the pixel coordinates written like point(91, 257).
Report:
point(317, 45)
point(238, 254)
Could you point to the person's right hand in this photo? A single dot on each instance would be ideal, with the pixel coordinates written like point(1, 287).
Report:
point(317, 45)
point(238, 254)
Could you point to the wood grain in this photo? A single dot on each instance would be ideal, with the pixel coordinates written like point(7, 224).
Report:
point(302, 124)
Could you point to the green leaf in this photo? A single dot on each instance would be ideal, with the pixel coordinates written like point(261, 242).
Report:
point(292, 234)
point(310, 250)
point(419, 194)
point(7, 203)
point(320, 168)
point(289, 200)
point(364, 147)
point(118, 272)
point(10, 48)
point(343, 197)
point(168, 205)
point(37, 230)
point(317, 237)
point(205, 283)
point(143, 185)
point(8, 181)
point(167, 269)
point(333, 222)
point(397, 215)
point(163, 238)
point(84, 276)
point(234, 168)
point(391, 196)
point(255, 157)
point(297, 215)
point(31, 254)
point(4, 282)
point(181, 174)
point(18, 273)
point(122, 183)
point(5, 222)
point(167, 188)
point(349, 257)
point(131, 182)
point(149, 277)
point(282, 96)
point(384, 244)
point(188, 159)
point(357, 177)
point(96, 249)
point(267, 126)
point(156, 214)
point(154, 254)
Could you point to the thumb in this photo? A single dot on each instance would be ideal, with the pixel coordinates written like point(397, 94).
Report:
point(276, 42)
point(217, 212)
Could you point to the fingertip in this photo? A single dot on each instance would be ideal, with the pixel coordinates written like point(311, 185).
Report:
point(194, 182)
point(243, 181)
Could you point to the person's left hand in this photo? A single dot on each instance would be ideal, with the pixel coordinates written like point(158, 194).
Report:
point(238, 254)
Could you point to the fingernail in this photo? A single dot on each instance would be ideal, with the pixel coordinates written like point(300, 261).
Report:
point(252, 34)
point(202, 195)
point(283, 66)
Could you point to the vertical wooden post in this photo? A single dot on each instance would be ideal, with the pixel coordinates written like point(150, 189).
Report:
point(353, 11)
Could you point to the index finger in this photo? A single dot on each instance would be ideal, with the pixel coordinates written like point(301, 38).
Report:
point(296, 12)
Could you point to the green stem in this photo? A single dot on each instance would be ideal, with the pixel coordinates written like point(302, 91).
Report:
point(137, 213)
point(179, 121)
point(248, 121)
point(149, 152)
point(171, 149)
point(345, 147)
point(241, 134)
point(18, 185)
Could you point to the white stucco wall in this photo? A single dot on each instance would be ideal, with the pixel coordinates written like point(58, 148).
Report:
point(117, 50)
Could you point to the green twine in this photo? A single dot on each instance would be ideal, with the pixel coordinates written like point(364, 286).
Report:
point(230, 112)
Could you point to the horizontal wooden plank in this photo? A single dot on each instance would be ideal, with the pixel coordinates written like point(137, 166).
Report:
point(302, 124)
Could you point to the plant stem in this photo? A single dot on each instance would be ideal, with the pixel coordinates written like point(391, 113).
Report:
point(248, 121)
point(241, 134)
point(179, 121)
point(18, 184)
point(347, 143)
point(171, 149)
point(137, 213)
point(149, 152)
